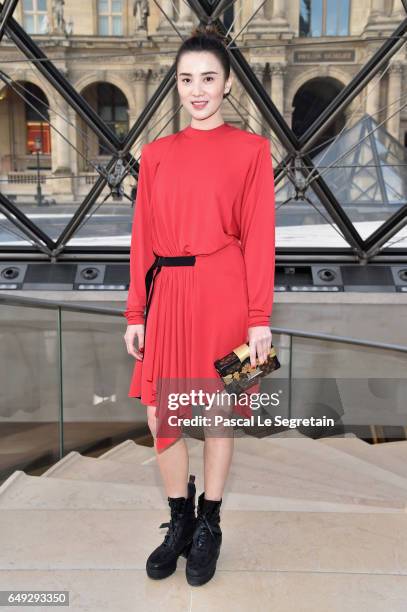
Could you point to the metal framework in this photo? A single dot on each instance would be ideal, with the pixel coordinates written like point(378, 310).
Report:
point(298, 149)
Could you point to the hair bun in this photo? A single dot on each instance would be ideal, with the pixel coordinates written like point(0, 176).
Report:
point(209, 29)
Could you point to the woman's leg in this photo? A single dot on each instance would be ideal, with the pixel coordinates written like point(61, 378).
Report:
point(218, 453)
point(173, 462)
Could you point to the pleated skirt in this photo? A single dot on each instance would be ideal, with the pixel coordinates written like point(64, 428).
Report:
point(197, 314)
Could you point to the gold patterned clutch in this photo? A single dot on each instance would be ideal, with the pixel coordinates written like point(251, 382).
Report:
point(236, 371)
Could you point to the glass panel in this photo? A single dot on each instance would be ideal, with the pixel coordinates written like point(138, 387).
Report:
point(28, 5)
point(10, 234)
point(42, 5)
point(316, 18)
point(120, 129)
point(42, 21)
point(305, 17)
point(97, 371)
point(36, 103)
point(117, 26)
point(29, 24)
point(343, 23)
point(364, 168)
point(121, 113)
point(332, 10)
point(337, 17)
point(103, 6)
point(29, 401)
point(38, 133)
point(104, 26)
point(117, 6)
point(357, 386)
point(399, 240)
point(20, 168)
point(110, 223)
point(303, 222)
point(106, 113)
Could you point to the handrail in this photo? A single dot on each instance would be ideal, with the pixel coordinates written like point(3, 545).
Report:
point(18, 300)
point(59, 306)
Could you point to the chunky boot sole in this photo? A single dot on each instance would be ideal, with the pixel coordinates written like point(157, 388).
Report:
point(157, 573)
point(194, 580)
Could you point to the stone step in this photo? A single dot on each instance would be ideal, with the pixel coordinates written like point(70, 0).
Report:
point(118, 590)
point(241, 479)
point(363, 450)
point(343, 466)
point(350, 543)
point(22, 448)
point(392, 449)
point(75, 466)
point(21, 491)
point(363, 478)
point(130, 452)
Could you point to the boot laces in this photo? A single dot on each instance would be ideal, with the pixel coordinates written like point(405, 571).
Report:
point(204, 528)
point(171, 532)
point(172, 525)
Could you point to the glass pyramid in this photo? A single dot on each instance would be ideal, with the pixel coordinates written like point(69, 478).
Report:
point(366, 170)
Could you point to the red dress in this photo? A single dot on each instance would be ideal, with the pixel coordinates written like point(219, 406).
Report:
point(208, 193)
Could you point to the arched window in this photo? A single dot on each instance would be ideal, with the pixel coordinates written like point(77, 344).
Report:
point(324, 17)
point(37, 120)
point(309, 102)
point(112, 107)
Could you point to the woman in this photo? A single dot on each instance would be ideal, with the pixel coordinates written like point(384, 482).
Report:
point(202, 264)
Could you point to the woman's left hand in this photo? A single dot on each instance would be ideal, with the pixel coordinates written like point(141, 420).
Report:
point(259, 339)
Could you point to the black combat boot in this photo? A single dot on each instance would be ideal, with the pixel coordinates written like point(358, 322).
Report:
point(206, 542)
point(162, 562)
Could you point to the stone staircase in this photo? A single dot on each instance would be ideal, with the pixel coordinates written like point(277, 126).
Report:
point(308, 525)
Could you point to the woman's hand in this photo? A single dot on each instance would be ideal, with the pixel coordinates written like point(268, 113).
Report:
point(131, 332)
point(259, 339)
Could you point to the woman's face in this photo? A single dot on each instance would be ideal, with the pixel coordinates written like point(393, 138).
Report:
point(200, 77)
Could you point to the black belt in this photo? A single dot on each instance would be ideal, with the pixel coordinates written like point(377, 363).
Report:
point(183, 260)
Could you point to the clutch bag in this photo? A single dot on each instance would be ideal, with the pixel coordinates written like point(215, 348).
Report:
point(237, 373)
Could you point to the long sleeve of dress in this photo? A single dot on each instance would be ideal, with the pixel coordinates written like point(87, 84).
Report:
point(257, 236)
point(141, 252)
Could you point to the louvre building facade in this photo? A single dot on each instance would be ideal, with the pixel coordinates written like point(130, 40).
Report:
point(303, 56)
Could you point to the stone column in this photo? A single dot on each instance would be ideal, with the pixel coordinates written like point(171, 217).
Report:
point(168, 8)
point(166, 109)
point(376, 9)
point(260, 14)
point(259, 20)
point(278, 16)
point(398, 11)
point(61, 150)
point(277, 86)
point(373, 96)
point(377, 16)
point(254, 115)
point(140, 85)
point(393, 94)
point(185, 14)
point(76, 139)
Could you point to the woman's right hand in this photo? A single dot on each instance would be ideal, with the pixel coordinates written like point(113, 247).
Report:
point(132, 332)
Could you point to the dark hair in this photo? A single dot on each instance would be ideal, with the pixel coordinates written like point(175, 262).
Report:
point(206, 38)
